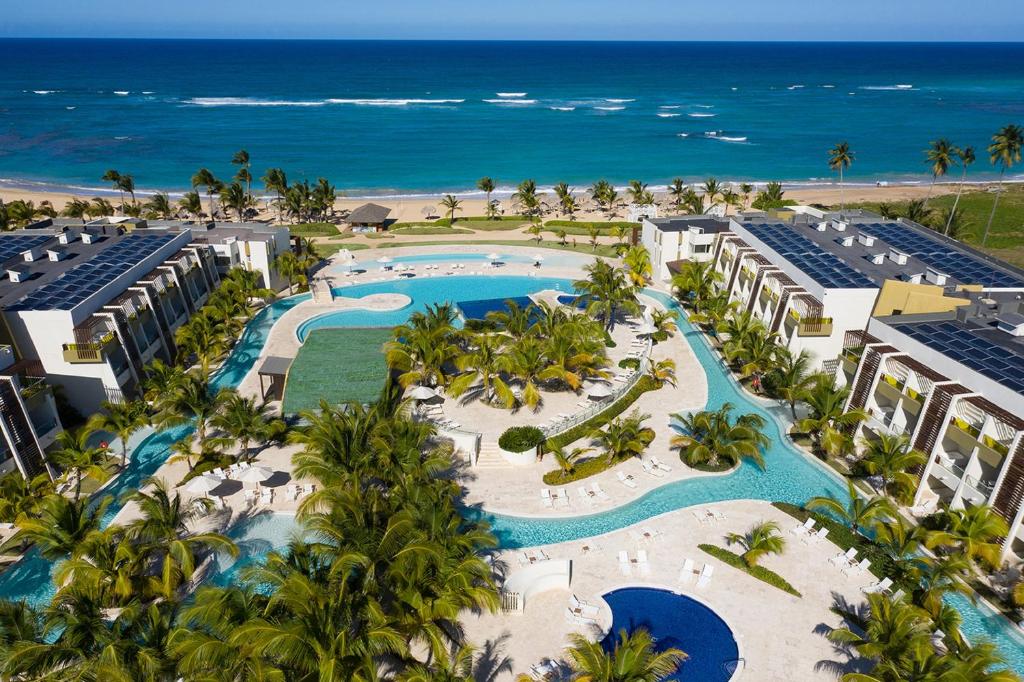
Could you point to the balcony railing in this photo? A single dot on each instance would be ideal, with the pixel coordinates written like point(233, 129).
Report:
point(815, 326)
point(76, 353)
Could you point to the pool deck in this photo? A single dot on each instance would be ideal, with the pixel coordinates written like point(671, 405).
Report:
point(778, 634)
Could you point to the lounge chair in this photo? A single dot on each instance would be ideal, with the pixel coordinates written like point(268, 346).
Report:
point(584, 496)
point(661, 465)
point(650, 469)
point(642, 563)
point(309, 488)
point(649, 533)
point(852, 568)
point(523, 559)
point(686, 572)
point(700, 515)
point(814, 538)
point(882, 585)
point(291, 492)
point(266, 496)
point(563, 497)
point(626, 480)
point(582, 608)
point(219, 473)
point(624, 567)
point(545, 498)
point(705, 575)
point(717, 514)
point(601, 494)
point(845, 559)
point(543, 671)
point(897, 595)
point(803, 529)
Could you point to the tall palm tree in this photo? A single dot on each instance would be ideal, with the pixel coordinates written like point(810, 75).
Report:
point(696, 282)
point(975, 531)
point(840, 157)
point(633, 659)
point(711, 437)
point(638, 265)
point(204, 178)
point(452, 205)
point(966, 158)
point(712, 189)
point(275, 180)
point(638, 192)
point(605, 292)
point(241, 159)
point(126, 183)
point(291, 268)
point(1005, 150)
point(828, 421)
point(791, 377)
point(75, 454)
point(123, 420)
point(625, 437)
point(114, 178)
point(244, 420)
point(855, 511)
point(677, 189)
point(203, 337)
point(481, 366)
point(891, 457)
point(58, 525)
point(191, 401)
point(940, 157)
point(191, 204)
point(761, 540)
point(160, 205)
point(486, 185)
point(234, 198)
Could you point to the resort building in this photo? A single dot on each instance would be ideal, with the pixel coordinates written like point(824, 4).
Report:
point(672, 241)
point(953, 383)
point(368, 218)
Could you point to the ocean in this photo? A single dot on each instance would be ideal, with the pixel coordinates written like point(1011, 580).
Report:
point(384, 118)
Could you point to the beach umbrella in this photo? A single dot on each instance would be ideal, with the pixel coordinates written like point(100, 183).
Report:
point(254, 474)
point(428, 211)
point(599, 391)
point(493, 256)
point(203, 483)
point(422, 393)
point(646, 328)
point(384, 259)
point(538, 259)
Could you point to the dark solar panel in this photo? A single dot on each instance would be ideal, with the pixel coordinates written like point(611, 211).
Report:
point(12, 245)
point(971, 349)
point(825, 268)
point(965, 267)
point(82, 281)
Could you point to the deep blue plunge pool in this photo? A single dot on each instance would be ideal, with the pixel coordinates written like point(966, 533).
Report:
point(676, 621)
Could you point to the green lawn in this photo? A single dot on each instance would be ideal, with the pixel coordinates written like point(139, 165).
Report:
point(581, 247)
point(337, 365)
point(313, 229)
point(428, 229)
point(580, 227)
point(1006, 239)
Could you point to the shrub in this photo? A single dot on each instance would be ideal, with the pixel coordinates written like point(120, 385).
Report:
point(646, 383)
point(760, 572)
point(520, 438)
point(582, 469)
point(313, 229)
point(629, 363)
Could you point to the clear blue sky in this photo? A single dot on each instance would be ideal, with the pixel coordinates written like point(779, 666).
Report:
point(986, 20)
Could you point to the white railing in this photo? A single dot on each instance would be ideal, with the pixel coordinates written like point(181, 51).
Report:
point(597, 408)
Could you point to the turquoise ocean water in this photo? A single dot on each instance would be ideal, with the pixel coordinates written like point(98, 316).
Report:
point(409, 117)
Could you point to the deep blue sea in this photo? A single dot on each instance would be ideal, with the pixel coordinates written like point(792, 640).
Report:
point(407, 117)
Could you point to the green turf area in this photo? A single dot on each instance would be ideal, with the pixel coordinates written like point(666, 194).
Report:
point(313, 229)
point(580, 227)
point(1006, 238)
point(336, 365)
point(429, 229)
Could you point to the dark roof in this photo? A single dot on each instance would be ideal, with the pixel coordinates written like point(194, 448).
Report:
point(275, 366)
point(708, 224)
point(823, 266)
point(369, 214)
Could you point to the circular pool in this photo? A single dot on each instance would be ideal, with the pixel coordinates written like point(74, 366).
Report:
point(675, 620)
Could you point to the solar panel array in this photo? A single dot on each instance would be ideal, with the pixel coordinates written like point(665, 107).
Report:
point(971, 349)
point(943, 257)
point(12, 245)
point(825, 268)
point(82, 281)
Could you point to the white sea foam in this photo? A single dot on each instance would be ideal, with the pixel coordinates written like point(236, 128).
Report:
point(828, 85)
point(727, 138)
point(704, 106)
point(45, 92)
point(609, 108)
point(562, 108)
point(618, 101)
point(505, 100)
point(510, 94)
point(70, 108)
point(670, 106)
point(392, 102)
point(794, 87)
point(251, 102)
point(122, 137)
point(899, 86)
point(147, 92)
point(683, 135)
point(734, 89)
point(699, 114)
point(122, 93)
point(662, 114)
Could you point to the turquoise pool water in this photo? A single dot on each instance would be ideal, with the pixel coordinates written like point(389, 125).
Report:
point(790, 476)
point(554, 258)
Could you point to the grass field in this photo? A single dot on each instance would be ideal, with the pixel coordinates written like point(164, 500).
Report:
point(337, 365)
point(313, 229)
point(429, 229)
point(1006, 239)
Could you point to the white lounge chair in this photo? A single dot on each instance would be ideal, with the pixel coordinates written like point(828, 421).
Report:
point(624, 567)
point(651, 469)
point(626, 480)
point(584, 496)
point(845, 559)
point(309, 488)
point(601, 494)
point(642, 563)
point(545, 498)
point(649, 533)
point(582, 608)
point(219, 473)
point(661, 465)
point(852, 568)
point(686, 572)
point(291, 492)
point(814, 538)
point(705, 575)
point(803, 529)
point(543, 671)
point(563, 497)
point(881, 586)
point(700, 515)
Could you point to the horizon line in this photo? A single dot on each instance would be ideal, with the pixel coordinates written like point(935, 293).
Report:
point(514, 40)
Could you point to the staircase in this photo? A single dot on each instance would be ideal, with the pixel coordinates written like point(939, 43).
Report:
point(321, 291)
point(490, 457)
point(12, 411)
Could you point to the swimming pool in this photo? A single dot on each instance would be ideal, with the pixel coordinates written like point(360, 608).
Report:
point(553, 259)
point(676, 621)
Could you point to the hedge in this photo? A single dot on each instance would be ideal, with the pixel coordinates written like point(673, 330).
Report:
point(646, 383)
point(583, 469)
point(520, 438)
point(313, 229)
point(760, 572)
point(629, 363)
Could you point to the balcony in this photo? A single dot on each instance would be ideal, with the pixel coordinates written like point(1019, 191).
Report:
point(819, 326)
point(88, 353)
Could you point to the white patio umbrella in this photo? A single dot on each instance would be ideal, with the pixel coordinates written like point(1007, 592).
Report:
point(254, 474)
point(384, 259)
point(646, 328)
point(203, 483)
point(493, 256)
point(538, 259)
point(422, 393)
point(599, 391)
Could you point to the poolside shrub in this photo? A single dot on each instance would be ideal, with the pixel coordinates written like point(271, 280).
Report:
point(313, 229)
point(629, 363)
point(644, 384)
point(520, 438)
point(760, 572)
point(582, 469)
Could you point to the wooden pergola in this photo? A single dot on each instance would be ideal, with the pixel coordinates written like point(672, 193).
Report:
point(276, 369)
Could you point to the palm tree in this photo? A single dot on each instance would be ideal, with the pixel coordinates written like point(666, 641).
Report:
point(234, 198)
point(58, 525)
point(123, 420)
point(75, 208)
point(894, 631)
point(696, 282)
point(75, 455)
point(892, 458)
point(244, 420)
point(452, 205)
point(625, 437)
point(761, 540)
point(126, 183)
point(566, 458)
point(839, 158)
point(605, 293)
point(966, 158)
point(663, 372)
point(526, 196)
point(203, 177)
point(203, 337)
point(974, 531)
point(712, 188)
point(241, 159)
point(939, 156)
point(191, 401)
point(709, 438)
point(638, 192)
point(275, 180)
point(164, 525)
point(160, 205)
point(486, 185)
point(791, 377)
point(481, 366)
point(917, 211)
point(856, 511)
point(634, 659)
point(114, 178)
point(191, 204)
point(828, 422)
point(291, 268)
point(677, 189)
point(1004, 150)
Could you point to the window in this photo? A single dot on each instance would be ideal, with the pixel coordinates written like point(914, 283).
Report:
point(702, 248)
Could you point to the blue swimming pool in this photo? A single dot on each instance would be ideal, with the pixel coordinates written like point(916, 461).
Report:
point(550, 259)
point(477, 309)
point(680, 622)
